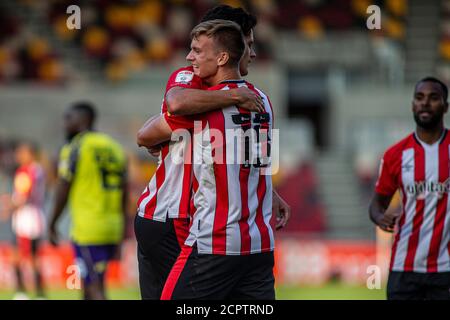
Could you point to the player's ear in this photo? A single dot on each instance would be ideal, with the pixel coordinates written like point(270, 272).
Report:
point(223, 58)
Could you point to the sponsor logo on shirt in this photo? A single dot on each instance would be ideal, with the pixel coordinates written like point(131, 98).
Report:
point(420, 188)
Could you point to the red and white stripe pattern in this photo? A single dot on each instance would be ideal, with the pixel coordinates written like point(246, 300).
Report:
point(28, 221)
point(168, 193)
point(421, 171)
point(233, 204)
point(169, 190)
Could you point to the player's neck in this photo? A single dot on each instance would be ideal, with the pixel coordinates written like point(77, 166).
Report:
point(224, 75)
point(430, 136)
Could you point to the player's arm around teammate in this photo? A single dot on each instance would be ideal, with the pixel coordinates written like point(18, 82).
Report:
point(183, 101)
point(189, 101)
point(186, 101)
point(154, 132)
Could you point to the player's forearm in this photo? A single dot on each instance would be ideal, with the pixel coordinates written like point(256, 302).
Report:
point(377, 208)
point(154, 133)
point(375, 213)
point(182, 101)
point(149, 120)
point(61, 197)
point(144, 133)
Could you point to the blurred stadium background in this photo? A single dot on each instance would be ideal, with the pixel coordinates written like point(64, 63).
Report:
point(341, 94)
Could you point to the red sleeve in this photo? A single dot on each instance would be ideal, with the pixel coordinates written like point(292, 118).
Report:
point(386, 183)
point(179, 122)
point(185, 78)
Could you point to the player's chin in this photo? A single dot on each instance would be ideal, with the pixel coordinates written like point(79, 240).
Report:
point(196, 71)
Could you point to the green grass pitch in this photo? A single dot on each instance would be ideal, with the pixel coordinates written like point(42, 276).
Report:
point(334, 291)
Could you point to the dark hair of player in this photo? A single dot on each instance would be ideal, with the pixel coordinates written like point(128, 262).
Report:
point(435, 80)
point(244, 19)
point(87, 109)
point(226, 34)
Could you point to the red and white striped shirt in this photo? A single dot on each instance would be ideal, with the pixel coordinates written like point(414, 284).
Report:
point(28, 221)
point(421, 173)
point(233, 202)
point(169, 190)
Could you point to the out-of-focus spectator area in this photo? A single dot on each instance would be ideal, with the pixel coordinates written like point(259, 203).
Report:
point(341, 92)
point(120, 38)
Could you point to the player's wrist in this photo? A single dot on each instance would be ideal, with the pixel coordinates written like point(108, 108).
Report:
point(380, 220)
point(375, 218)
point(235, 96)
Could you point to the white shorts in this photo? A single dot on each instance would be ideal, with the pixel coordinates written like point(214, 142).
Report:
point(29, 222)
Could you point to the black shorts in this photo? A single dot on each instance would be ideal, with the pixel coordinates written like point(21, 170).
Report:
point(158, 249)
point(219, 277)
point(418, 286)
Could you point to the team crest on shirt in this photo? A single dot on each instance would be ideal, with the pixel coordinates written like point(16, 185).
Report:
point(184, 76)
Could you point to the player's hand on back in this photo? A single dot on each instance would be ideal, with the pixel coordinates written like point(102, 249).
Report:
point(154, 151)
point(249, 99)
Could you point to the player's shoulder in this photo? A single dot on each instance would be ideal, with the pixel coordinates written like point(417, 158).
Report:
point(95, 136)
point(64, 151)
point(101, 138)
point(262, 94)
point(395, 150)
point(22, 170)
point(446, 137)
point(184, 69)
point(252, 86)
point(182, 75)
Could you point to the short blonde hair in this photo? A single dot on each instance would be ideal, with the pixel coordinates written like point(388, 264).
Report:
point(226, 34)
